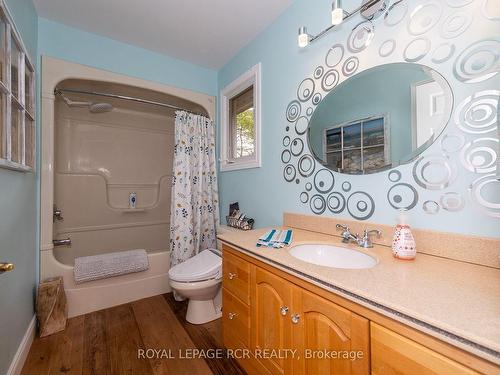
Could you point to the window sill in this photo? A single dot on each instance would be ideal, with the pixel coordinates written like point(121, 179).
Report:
point(6, 164)
point(227, 167)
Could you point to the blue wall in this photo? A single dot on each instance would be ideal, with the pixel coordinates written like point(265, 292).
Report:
point(18, 224)
point(263, 192)
point(81, 47)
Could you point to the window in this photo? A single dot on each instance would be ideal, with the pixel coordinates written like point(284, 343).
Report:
point(17, 99)
point(240, 126)
point(357, 146)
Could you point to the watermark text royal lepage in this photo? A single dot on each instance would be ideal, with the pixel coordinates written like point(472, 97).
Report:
point(191, 353)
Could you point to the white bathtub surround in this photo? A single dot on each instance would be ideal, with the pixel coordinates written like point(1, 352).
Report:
point(103, 266)
point(194, 210)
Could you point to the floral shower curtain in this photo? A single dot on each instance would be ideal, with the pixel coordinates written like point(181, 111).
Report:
point(194, 212)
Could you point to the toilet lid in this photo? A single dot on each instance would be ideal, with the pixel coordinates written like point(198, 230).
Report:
point(203, 266)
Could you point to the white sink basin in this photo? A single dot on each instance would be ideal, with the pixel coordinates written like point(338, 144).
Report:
point(332, 256)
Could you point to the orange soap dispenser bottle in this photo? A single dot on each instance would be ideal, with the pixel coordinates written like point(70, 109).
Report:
point(403, 243)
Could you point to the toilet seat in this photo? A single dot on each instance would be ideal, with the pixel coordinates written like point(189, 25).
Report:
point(205, 265)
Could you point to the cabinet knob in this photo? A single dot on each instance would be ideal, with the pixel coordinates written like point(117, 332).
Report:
point(231, 275)
point(284, 310)
point(231, 315)
point(295, 318)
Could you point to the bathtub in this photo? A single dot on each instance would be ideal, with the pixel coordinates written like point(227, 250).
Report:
point(101, 294)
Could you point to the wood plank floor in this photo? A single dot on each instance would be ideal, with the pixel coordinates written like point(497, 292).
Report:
point(107, 342)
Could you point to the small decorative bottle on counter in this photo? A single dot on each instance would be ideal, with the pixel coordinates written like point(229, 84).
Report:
point(403, 243)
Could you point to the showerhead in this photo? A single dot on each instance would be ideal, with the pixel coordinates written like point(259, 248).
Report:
point(100, 107)
point(93, 107)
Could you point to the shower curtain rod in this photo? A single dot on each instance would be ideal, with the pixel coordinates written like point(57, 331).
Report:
point(145, 101)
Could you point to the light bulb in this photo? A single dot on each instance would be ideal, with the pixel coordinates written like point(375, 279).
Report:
point(337, 12)
point(303, 38)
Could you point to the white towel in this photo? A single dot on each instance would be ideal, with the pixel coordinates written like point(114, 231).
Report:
point(102, 266)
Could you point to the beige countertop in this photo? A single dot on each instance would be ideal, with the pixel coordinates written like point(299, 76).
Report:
point(454, 301)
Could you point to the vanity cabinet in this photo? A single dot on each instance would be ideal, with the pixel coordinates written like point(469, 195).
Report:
point(289, 326)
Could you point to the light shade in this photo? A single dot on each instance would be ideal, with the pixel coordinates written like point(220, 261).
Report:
point(303, 38)
point(337, 12)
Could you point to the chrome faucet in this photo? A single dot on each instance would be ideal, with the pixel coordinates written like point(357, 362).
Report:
point(347, 236)
point(364, 241)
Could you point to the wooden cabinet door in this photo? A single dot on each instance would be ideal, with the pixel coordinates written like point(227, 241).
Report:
point(271, 330)
point(393, 354)
point(325, 331)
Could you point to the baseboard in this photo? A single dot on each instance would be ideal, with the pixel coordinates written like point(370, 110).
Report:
point(17, 363)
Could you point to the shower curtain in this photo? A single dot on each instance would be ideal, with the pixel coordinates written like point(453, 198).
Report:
point(194, 213)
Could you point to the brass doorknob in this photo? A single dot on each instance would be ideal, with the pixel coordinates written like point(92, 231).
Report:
point(5, 267)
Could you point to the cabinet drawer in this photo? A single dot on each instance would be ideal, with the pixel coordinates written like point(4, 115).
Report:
point(235, 320)
point(395, 354)
point(236, 275)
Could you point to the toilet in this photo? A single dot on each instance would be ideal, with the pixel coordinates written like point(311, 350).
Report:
point(199, 280)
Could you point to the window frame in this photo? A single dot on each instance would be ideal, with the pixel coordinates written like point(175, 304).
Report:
point(251, 77)
point(361, 121)
point(11, 101)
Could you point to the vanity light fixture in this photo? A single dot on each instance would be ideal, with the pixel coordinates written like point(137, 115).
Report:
point(369, 9)
point(303, 38)
point(337, 12)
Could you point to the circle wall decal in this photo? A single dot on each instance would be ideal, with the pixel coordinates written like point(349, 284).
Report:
point(309, 111)
point(306, 165)
point(485, 191)
point(330, 80)
point(360, 37)
point(443, 53)
point(491, 10)
point(455, 24)
point(350, 66)
point(316, 98)
point(387, 47)
point(301, 125)
point(309, 186)
point(394, 175)
point(451, 143)
point(297, 147)
point(477, 114)
point(305, 90)
point(417, 49)
point(458, 3)
point(286, 141)
point(335, 202)
point(289, 173)
point(304, 197)
point(286, 156)
point(346, 186)
point(360, 205)
point(431, 207)
point(402, 195)
point(480, 155)
point(478, 62)
point(452, 201)
point(434, 172)
point(324, 181)
point(317, 204)
point(293, 111)
point(318, 72)
point(334, 55)
point(396, 13)
point(424, 18)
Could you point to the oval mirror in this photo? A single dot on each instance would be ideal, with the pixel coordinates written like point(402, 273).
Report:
point(380, 118)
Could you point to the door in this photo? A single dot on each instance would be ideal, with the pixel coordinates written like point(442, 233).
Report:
point(332, 340)
point(271, 323)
